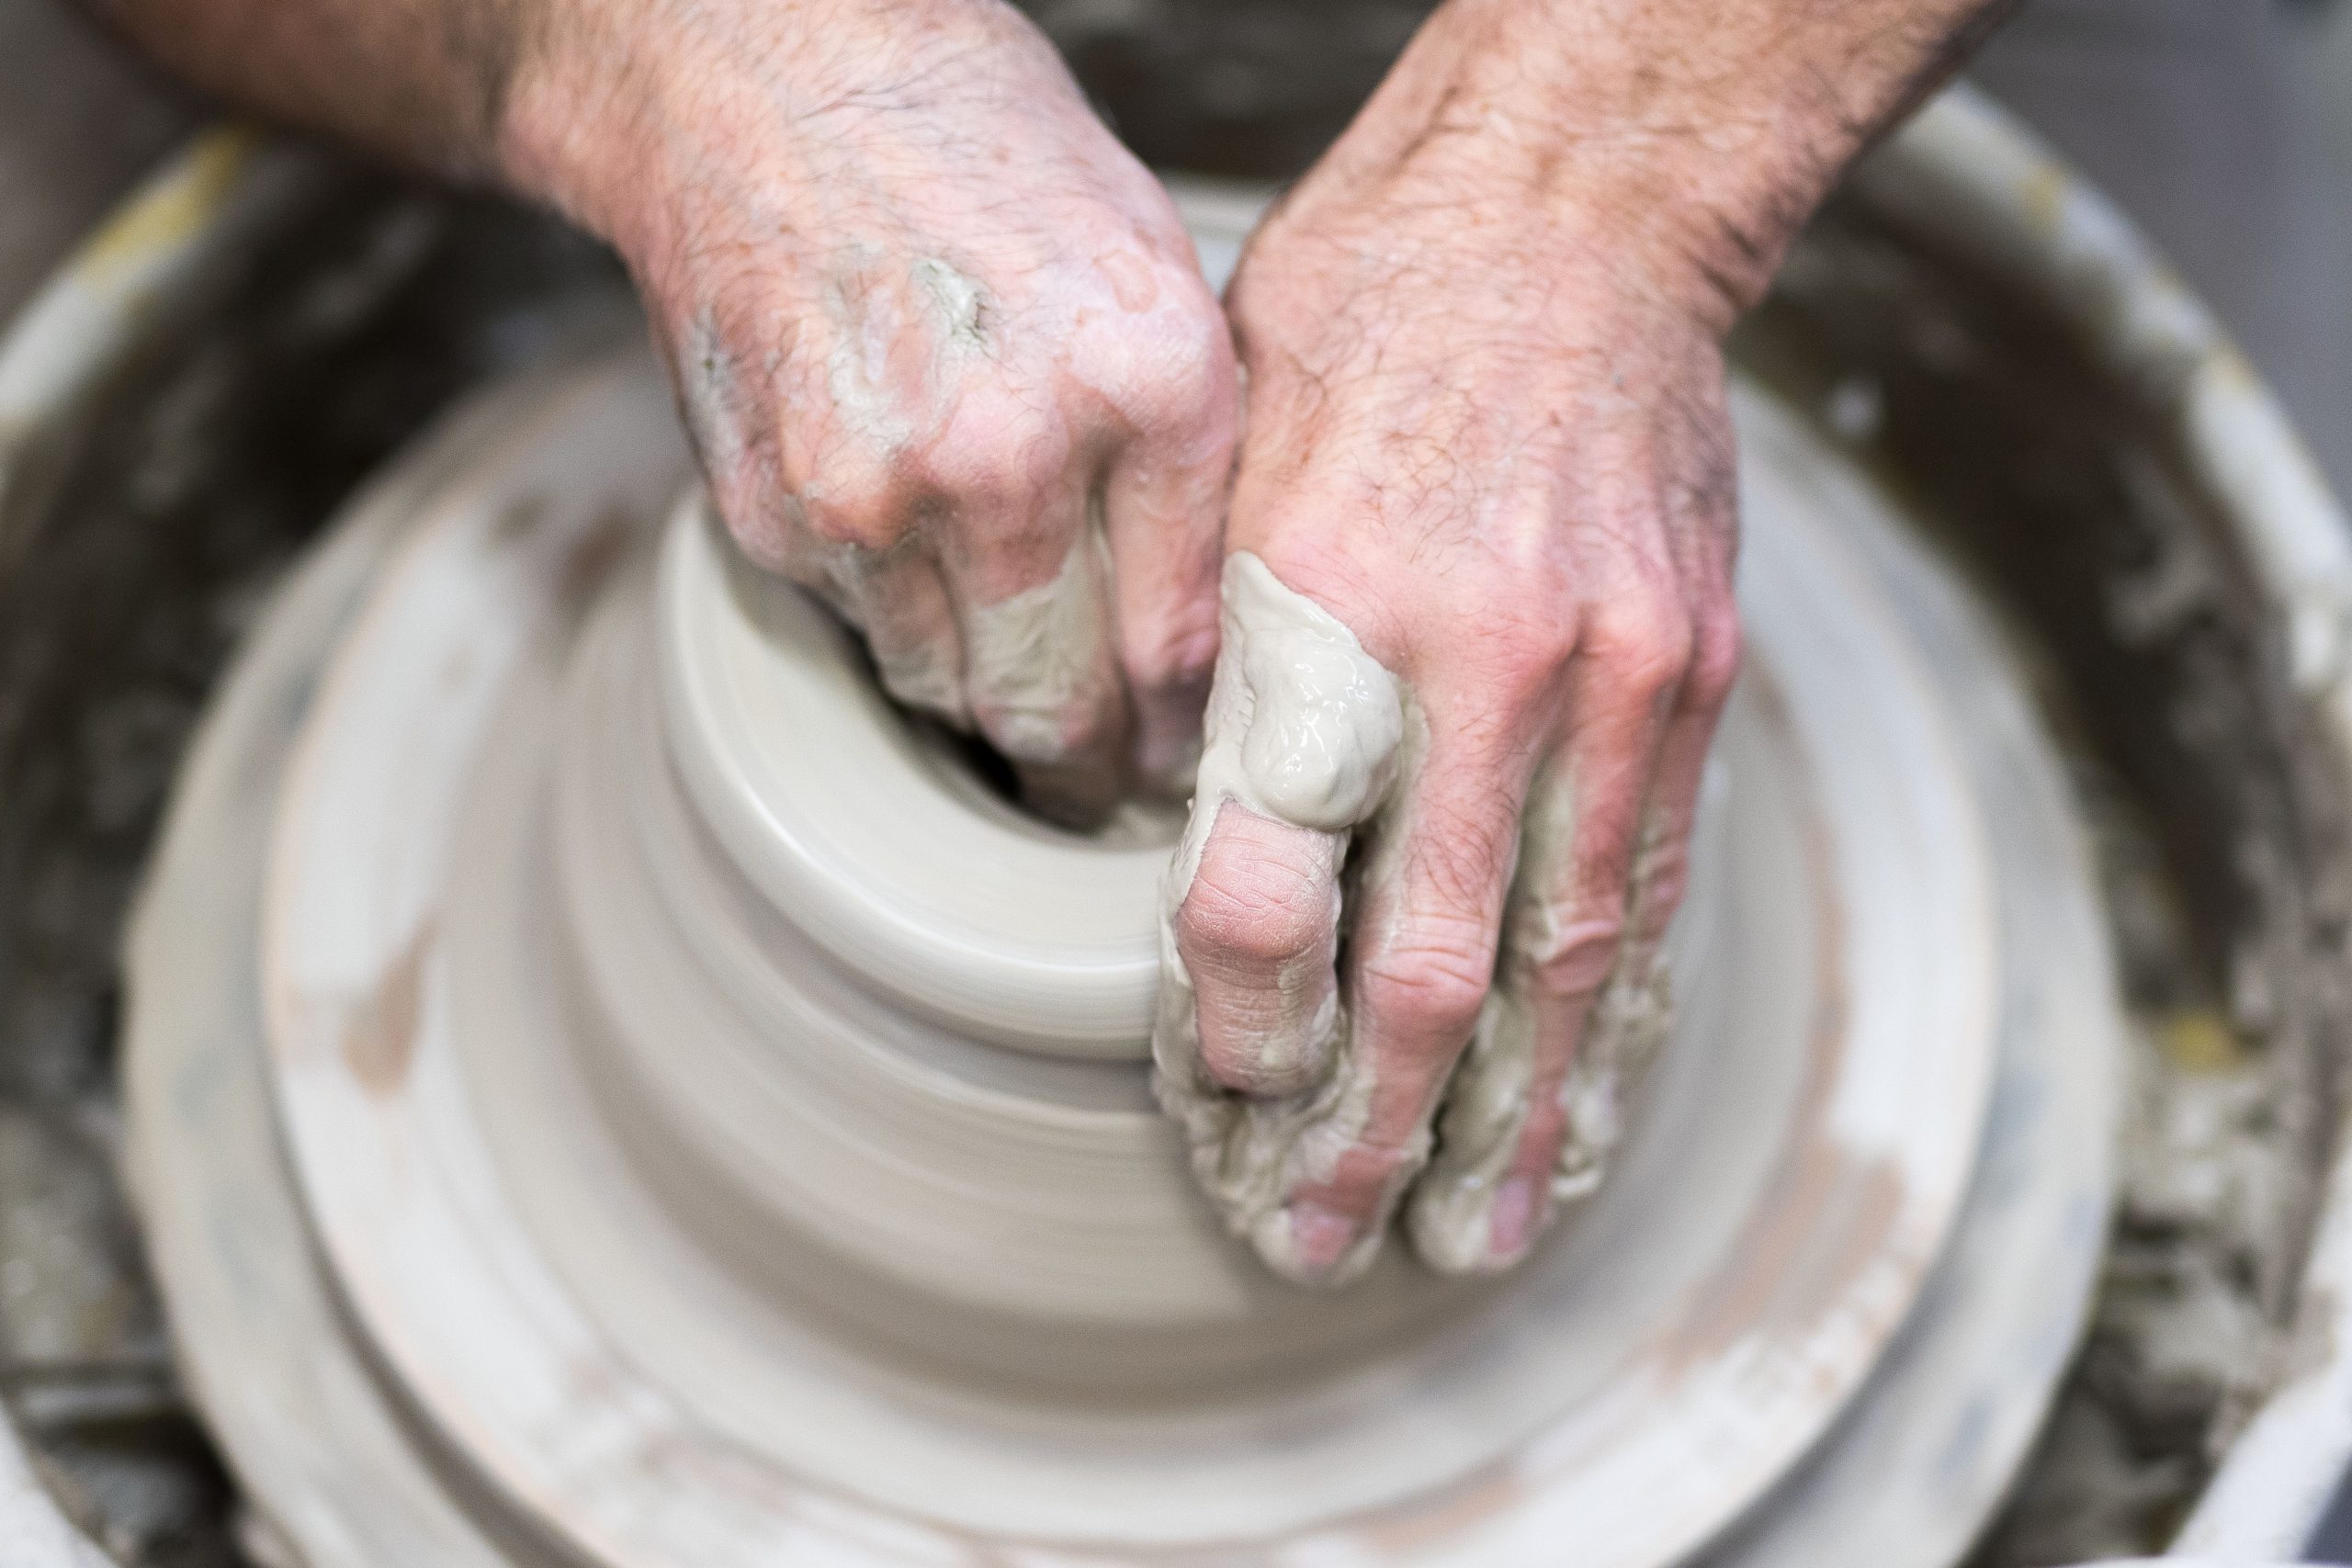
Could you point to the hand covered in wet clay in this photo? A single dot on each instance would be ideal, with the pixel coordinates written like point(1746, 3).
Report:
point(942, 342)
point(1478, 622)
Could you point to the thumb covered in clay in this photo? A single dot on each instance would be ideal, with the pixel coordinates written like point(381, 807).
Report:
point(1302, 743)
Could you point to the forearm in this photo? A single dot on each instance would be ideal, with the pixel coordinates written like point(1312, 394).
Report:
point(613, 112)
point(1684, 134)
point(424, 82)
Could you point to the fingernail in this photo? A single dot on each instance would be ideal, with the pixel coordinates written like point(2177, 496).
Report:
point(1318, 1238)
point(1512, 1217)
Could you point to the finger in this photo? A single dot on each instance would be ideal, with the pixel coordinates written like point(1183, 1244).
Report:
point(1257, 932)
point(1425, 935)
point(735, 449)
point(1630, 1018)
point(1044, 685)
point(1302, 738)
point(852, 536)
point(1005, 493)
point(1518, 1090)
point(1163, 504)
point(1703, 533)
point(899, 601)
point(1661, 874)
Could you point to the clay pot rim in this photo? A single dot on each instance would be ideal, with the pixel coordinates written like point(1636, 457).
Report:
point(1972, 182)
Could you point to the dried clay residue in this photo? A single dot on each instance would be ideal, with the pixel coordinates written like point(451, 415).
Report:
point(2181, 1348)
point(2224, 826)
point(381, 1037)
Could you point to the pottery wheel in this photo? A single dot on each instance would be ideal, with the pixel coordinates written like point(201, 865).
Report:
point(720, 1118)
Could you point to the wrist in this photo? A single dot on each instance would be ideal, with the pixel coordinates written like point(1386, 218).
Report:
point(638, 119)
point(1678, 144)
point(580, 120)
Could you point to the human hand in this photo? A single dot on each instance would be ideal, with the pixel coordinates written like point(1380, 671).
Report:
point(943, 345)
point(1478, 618)
point(1488, 566)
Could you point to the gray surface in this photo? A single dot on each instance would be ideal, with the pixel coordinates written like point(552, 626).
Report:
point(2224, 127)
point(78, 126)
point(2214, 123)
point(78, 123)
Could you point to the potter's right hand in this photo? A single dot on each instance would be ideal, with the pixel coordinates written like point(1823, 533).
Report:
point(1480, 624)
point(942, 342)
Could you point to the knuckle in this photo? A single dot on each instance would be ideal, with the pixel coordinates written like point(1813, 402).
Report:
point(1548, 642)
point(1571, 955)
point(1522, 682)
point(1661, 876)
point(1256, 911)
point(1645, 644)
point(1428, 994)
point(1519, 627)
point(1000, 449)
point(857, 499)
point(1172, 378)
point(1716, 658)
point(1518, 646)
point(1192, 368)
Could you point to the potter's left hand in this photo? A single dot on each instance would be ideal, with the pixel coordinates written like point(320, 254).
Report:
point(1478, 619)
